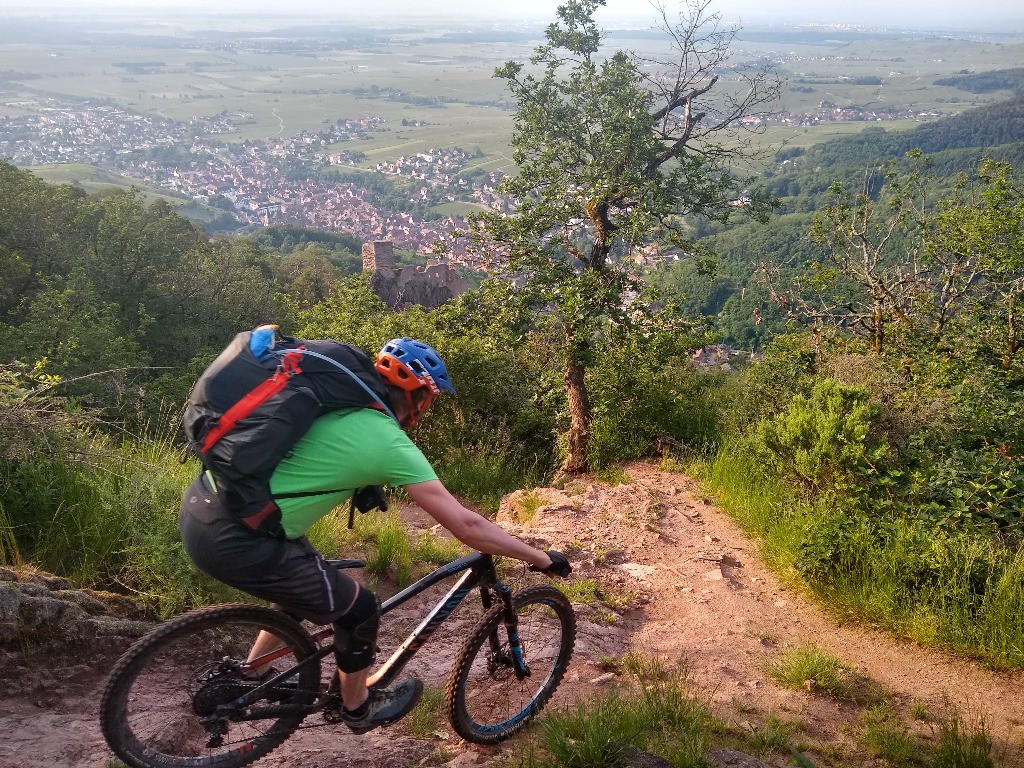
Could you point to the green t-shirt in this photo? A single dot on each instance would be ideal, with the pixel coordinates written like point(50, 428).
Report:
point(344, 450)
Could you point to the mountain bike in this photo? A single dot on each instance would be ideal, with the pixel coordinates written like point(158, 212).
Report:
point(184, 695)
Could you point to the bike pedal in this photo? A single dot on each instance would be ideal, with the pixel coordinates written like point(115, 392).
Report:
point(332, 712)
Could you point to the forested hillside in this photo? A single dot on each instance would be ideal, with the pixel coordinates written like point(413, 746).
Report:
point(801, 180)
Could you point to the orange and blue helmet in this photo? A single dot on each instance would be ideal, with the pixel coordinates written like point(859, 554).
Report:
point(411, 365)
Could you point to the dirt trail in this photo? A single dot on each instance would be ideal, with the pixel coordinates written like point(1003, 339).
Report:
point(697, 593)
point(717, 607)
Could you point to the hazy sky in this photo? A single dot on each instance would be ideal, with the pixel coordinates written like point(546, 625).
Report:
point(934, 13)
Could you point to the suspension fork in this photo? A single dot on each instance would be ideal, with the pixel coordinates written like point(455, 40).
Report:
point(511, 621)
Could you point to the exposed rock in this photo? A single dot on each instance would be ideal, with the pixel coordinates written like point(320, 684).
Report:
point(38, 611)
point(463, 760)
point(83, 600)
point(10, 601)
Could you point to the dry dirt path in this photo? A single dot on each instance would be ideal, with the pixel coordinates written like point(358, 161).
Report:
point(714, 606)
point(699, 595)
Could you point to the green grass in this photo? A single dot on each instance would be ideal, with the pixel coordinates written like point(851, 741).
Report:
point(425, 719)
point(919, 711)
point(885, 737)
point(458, 209)
point(391, 551)
point(586, 591)
point(288, 93)
point(484, 476)
point(436, 550)
point(104, 514)
point(612, 475)
point(664, 718)
point(963, 744)
point(9, 552)
point(955, 591)
point(956, 741)
point(529, 504)
point(813, 669)
point(386, 544)
point(773, 738)
point(762, 505)
point(647, 668)
point(93, 179)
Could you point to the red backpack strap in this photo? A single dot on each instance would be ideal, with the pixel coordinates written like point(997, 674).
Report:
point(255, 398)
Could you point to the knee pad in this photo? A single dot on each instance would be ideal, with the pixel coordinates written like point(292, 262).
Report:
point(355, 633)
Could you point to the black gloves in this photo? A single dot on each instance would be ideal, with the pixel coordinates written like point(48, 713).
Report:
point(559, 565)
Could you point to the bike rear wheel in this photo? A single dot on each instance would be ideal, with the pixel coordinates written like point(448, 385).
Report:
point(171, 698)
point(486, 702)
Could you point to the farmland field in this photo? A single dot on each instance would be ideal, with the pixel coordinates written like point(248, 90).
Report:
point(438, 92)
point(93, 179)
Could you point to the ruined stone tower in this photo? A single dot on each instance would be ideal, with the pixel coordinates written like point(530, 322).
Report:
point(378, 256)
point(429, 286)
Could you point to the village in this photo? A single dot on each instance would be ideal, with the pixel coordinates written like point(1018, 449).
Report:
point(264, 181)
point(298, 179)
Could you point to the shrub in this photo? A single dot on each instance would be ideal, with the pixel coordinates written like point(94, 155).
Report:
point(640, 398)
point(824, 441)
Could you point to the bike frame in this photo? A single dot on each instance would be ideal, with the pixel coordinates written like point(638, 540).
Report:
point(477, 570)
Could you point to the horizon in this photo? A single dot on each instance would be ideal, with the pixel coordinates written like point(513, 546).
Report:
point(991, 15)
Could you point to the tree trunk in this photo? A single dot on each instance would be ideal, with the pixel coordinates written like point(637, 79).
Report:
point(878, 332)
point(1012, 345)
point(577, 457)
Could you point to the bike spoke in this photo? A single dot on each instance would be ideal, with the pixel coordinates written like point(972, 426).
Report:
point(178, 698)
point(488, 700)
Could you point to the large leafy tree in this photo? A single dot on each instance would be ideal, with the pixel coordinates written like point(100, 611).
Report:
point(613, 151)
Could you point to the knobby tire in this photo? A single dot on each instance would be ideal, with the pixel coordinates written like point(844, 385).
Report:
point(148, 708)
point(485, 701)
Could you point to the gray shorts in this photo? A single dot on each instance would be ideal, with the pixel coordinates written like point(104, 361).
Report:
point(288, 572)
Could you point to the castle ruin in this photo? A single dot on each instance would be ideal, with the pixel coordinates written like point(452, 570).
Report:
point(398, 287)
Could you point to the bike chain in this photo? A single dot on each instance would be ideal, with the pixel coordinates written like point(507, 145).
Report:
point(273, 733)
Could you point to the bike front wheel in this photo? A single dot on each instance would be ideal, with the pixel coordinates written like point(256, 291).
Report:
point(486, 700)
point(172, 698)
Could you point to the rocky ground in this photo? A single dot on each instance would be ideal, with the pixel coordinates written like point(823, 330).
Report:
point(679, 580)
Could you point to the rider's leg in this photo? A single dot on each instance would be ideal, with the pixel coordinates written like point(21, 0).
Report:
point(355, 643)
point(265, 643)
point(353, 688)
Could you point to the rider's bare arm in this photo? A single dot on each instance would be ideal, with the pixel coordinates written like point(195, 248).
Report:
point(472, 529)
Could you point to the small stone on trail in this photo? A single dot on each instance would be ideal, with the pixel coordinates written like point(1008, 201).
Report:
point(714, 575)
point(606, 677)
point(466, 758)
point(710, 539)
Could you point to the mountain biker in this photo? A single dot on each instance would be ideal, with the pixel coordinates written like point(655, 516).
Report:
point(345, 449)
